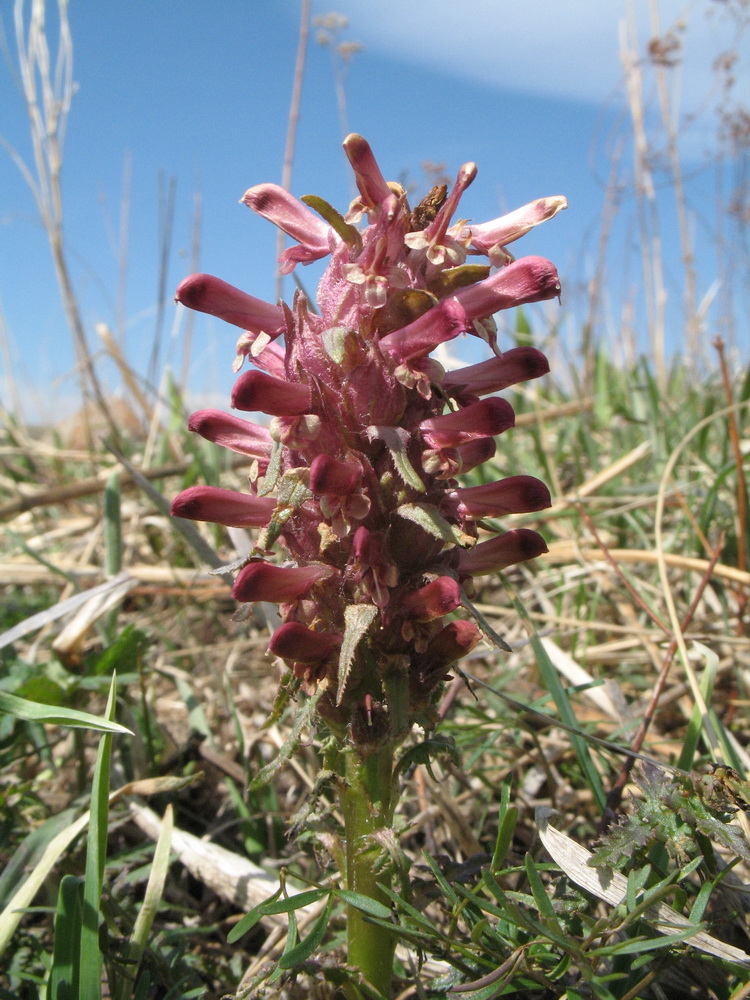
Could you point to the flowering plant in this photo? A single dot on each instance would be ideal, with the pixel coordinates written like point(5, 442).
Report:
point(354, 480)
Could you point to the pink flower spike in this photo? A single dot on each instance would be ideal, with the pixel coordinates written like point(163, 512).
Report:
point(370, 181)
point(513, 366)
point(262, 581)
point(275, 396)
point(232, 432)
point(507, 549)
point(211, 295)
point(508, 228)
point(433, 600)
point(416, 340)
point(514, 495)
point(531, 279)
point(327, 475)
point(479, 420)
point(299, 644)
point(235, 510)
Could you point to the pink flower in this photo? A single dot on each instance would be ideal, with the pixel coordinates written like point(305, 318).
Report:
point(355, 484)
point(232, 432)
point(507, 549)
point(235, 510)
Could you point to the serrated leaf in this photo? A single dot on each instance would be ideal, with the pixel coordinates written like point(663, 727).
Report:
point(348, 233)
point(422, 753)
point(396, 440)
point(291, 494)
point(433, 522)
point(301, 719)
point(357, 619)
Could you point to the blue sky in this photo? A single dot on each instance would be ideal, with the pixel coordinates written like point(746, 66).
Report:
point(532, 92)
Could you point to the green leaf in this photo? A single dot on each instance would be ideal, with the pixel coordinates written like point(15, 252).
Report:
point(364, 903)
point(348, 233)
point(147, 912)
point(301, 719)
point(250, 919)
point(506, 826)
point(433, 522)
point(96, 852)
point(357, 620)
point(33, 711)
point(396, 440)
point(63, 977)
point(290, 903)
point(310, 943)
point(487, 630)
point(424, 751)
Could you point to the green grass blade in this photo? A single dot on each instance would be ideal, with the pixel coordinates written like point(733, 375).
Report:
point(96, 851)
point(55, 715)
point(29, 852)
point(63, 977)
point(554, 686)
point(23, 897)
point(147, 912)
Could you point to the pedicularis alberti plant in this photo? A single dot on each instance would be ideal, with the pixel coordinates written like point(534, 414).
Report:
point(365, 538)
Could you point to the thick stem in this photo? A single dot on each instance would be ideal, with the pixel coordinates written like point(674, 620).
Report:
point(367, 805)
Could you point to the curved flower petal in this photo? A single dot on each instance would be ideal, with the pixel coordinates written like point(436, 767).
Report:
point(298, 643)
point(211, 295)
point(235, 510)
point(478, 420)
point(514, 495)
point(232, 432)
point(292, 216)
point(486, 236)
point(371, 184)
point(530, 279)
point(503, 550)
point(516, 365)
point(327, 475)
point(262, 581)
point(267, 394)
point(433, 600)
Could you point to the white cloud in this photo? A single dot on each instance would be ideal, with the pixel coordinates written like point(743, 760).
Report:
point(552, 48)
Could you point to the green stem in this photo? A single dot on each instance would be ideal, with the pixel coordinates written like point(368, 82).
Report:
point(367, 805)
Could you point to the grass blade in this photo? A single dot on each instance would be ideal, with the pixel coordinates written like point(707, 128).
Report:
point(63, 977)
point(96, 851)
point(145, 919)
point(55, 715)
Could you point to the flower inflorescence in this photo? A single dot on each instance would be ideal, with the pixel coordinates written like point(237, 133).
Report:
point(355, 476)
